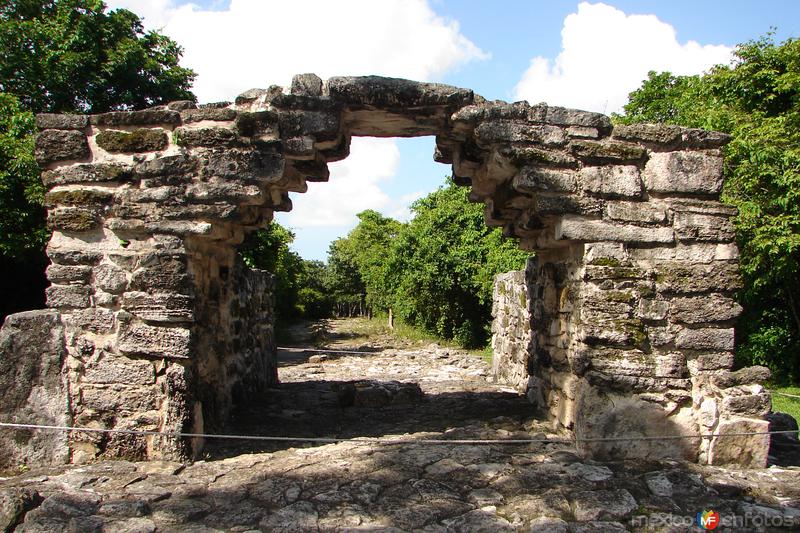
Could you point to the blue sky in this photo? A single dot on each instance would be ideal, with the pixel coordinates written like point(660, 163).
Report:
point(587, 55)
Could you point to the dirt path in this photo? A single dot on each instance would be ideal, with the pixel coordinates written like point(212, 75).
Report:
point(413, 393)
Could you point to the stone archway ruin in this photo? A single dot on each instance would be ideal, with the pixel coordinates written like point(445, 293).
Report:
point(155, 325)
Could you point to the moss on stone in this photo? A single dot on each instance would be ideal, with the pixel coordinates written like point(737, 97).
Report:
point(605, 261)
point(85, 197)
point(139, 140)
point(626, 297)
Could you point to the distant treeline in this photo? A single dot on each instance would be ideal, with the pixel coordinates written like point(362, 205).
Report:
point(434, 272)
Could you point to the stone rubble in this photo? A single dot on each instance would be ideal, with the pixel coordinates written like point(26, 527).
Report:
point(349, 486)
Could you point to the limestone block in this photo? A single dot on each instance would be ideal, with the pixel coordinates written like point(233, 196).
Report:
point(636, 212)
point(50, 121)
point(172, 166)
point(533, 179)
point(700, 309)
point(714, 361)
point(243, 165)
point(323, 126)
point(61, 145)
point(683, 172)
point(258, 124)
point(209, 113)
point(755, 405)
point(706, 339)
point(576, 228)
point(299, 147)
point(147, 117)
point(160, 272)
point(583, 132)
point(181, 105)
point(655, 310)
point(744, 376)
point(306, 84)
point(205, 137)
point(85, 173)
point(73, 257)
point(72, 219)
point(698, 227)
point(93, 319)
point(688, 278)
point(620, 332)
point(605, 252)
point(708, 414)
point(513, 131)
point(663, 134)
point(67, 296)
point(604, 152)
point(531, 155)
point(64, 274)
point(112, 369)
point(667, 137)
point(118, 399)
point(138, 140)
point(162, 342)
point(159, 307)
point(599, 272)
point(110, 278)
point(91, 198)
point(382, 93)
point(33, 388)
point(253, 96)
point(619, 362)
point(562, 116)
point(613, 181)
point(744, 450)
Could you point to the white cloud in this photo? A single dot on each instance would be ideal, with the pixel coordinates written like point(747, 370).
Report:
point(354, 186)
point(606, 54)
point(400, 209)
point(257, 43)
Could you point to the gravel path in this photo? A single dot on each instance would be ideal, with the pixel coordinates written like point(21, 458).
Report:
point(411, 393)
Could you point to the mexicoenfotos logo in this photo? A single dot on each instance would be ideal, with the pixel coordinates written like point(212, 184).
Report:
point(708, 519)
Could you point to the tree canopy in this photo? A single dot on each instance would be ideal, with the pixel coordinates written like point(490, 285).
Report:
point(757, 100)
point(64, 56)
point(436, 271)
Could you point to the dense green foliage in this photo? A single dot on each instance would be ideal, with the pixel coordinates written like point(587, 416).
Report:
point(72, 56)
point(64, 56)
point(21, 190)
point(435, 272)
point(757, 100)
point(300, 286)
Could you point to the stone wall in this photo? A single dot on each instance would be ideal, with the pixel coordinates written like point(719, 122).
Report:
point(625, 346)
point(512, 334)
point(147, 209)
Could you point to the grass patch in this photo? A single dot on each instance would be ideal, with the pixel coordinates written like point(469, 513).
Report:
point(409, 335)
point(785, 404)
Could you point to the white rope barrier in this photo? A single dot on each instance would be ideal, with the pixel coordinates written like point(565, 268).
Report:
point(784, 394)
point(377, 440)
point(320, 350)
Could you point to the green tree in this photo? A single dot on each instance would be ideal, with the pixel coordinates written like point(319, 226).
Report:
point(64, 56)
point(442, 264)
point(358, 262)
point(757, 100)
point(269, 249)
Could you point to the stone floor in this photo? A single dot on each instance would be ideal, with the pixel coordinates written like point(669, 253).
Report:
point(411, 393)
